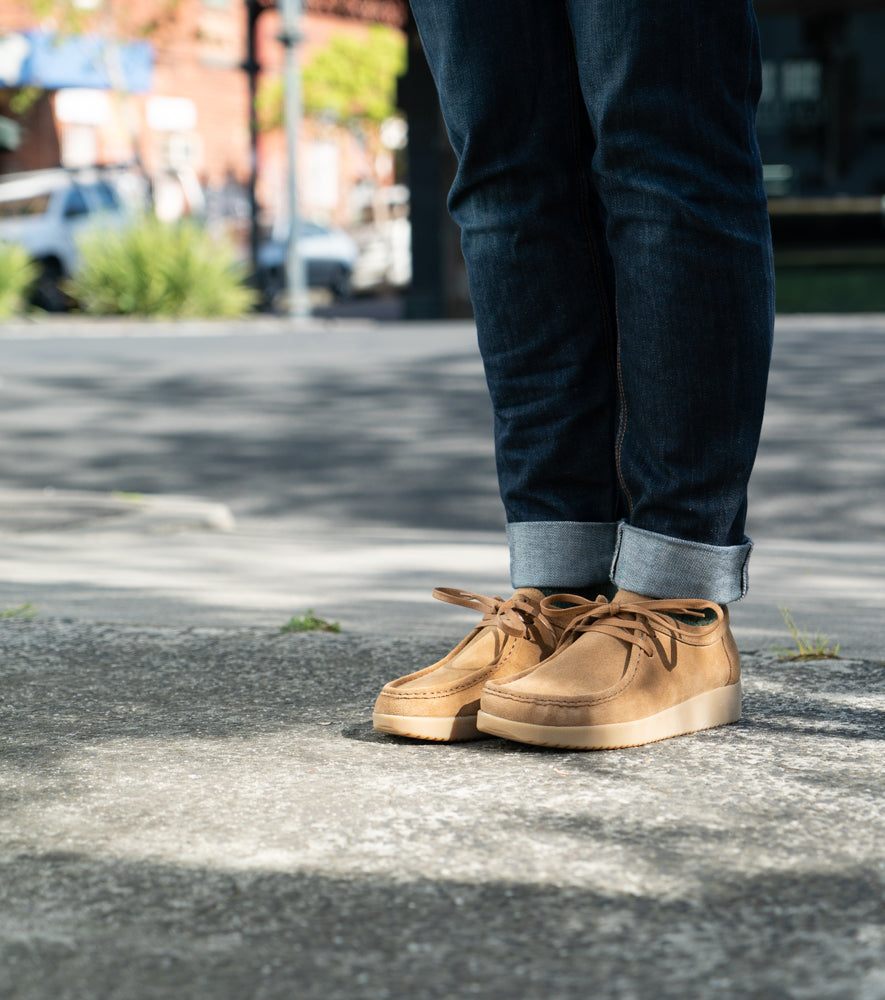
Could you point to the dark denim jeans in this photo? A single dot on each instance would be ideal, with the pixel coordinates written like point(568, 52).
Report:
point(615, 230)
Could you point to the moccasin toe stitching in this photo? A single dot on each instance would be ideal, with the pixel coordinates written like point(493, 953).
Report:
point(675, 679)
point(513, 637)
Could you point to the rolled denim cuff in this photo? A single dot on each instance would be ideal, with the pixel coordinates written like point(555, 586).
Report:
point(660, 566)
point(561, 554)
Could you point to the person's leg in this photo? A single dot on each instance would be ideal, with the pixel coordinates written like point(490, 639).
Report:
point(540, 281)
point(671, 90)
point(539, 272)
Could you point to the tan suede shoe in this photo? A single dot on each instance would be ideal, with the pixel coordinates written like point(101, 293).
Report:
point(625, 673)
point(440, 702)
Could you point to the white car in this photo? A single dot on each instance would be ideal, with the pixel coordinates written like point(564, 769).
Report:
point(329, 255)
point(46, 211)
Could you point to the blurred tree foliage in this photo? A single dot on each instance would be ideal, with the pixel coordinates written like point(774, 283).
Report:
point(72, 17)
point(351, 81)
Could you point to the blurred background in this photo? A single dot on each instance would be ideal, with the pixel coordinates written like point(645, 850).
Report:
point(174, 110)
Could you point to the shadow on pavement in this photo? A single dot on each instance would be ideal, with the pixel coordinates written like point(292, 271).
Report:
point(407, 445)
point(120, 930)
point(205, 812)
point(102, 682)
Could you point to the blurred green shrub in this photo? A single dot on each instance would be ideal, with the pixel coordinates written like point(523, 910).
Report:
point(154, 268)
point(17, 274)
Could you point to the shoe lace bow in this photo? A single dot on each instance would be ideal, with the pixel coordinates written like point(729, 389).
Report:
point(634, 622)
point(514, 616)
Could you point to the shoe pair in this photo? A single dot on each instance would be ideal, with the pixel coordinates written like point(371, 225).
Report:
point(563, 671)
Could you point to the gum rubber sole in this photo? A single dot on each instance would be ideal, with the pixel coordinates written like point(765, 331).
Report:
point(704, 711)
point(444, 730)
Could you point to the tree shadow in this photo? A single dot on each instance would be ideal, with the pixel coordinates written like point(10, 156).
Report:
point(108, 681)
point(77, 926)
point(407, 446)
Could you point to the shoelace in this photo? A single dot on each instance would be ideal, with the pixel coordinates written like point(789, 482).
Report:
point(633, 622)
point(514, 616)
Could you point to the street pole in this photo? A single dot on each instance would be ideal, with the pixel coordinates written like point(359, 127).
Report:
point(253, 10)
point(290, 35)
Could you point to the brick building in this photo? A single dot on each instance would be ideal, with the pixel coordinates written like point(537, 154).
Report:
point(164, 83)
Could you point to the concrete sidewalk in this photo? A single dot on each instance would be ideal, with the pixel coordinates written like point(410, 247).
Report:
point(206, 812)
point(195, 805)
point(164, 560)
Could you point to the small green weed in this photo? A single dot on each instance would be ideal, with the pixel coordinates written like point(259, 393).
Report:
point(126, 497)
point(309, 622)
point(20, 611)
point(808, 647)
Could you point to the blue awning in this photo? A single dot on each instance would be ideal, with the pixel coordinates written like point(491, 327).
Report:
point(55, 62)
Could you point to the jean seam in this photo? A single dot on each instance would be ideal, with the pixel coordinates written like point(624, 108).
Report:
point(622, 416)
point(748, 104)
point(576, 101)
point(609, 326)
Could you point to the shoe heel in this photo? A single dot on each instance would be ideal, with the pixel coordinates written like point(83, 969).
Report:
point(441, 730)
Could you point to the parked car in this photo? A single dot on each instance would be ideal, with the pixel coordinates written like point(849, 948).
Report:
point(46, 211)
point(329, 254)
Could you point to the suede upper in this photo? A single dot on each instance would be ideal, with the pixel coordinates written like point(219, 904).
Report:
point(452, 686)
point(625, 662)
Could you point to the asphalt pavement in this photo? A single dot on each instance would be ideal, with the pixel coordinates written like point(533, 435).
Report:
point(195, 804)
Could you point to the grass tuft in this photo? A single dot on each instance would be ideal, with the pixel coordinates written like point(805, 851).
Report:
point(19, 611)
point(808, 647)
point(309, 622)
point(155, 268)
point(124, 496)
